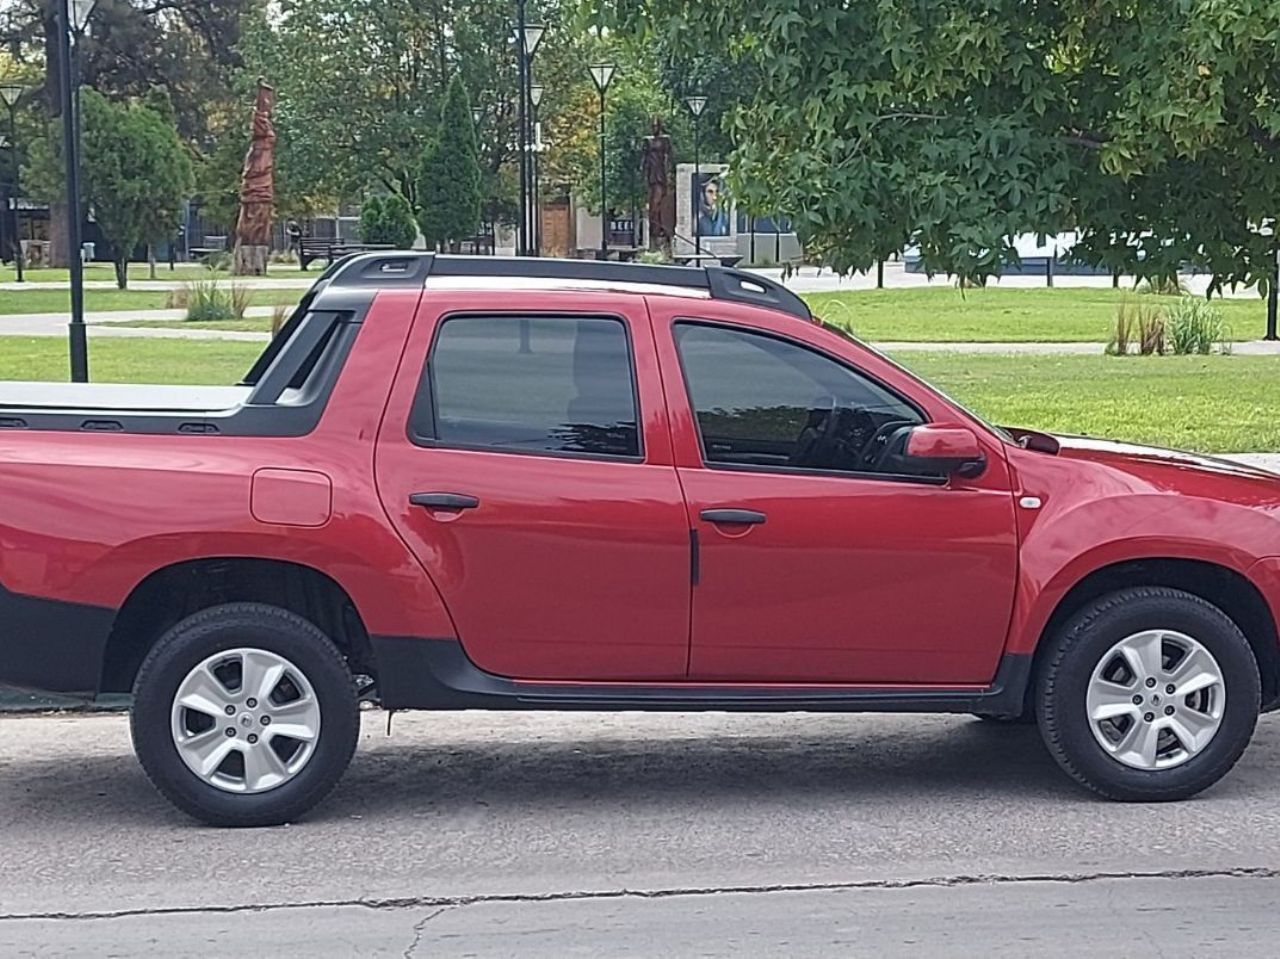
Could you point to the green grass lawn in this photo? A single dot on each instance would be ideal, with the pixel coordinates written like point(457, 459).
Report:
point(1212, 404)
point(140, 271)
point(59, 301)
point(993, 315)
point(250, 324)
point(129, 361)
point(1209, 403)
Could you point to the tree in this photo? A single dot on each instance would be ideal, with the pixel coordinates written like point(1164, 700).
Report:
point(449, 182)
point(360, 84)
point(187, 47)
point(388, 220)
point(1152, 127)
point(135, 173)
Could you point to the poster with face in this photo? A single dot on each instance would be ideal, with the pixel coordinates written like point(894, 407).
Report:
point(712, 204)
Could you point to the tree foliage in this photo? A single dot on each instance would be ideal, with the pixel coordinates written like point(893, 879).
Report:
point(1152, 126)
point(449, 181)
point(360, 84)
point(136, 174)
point(388, 220)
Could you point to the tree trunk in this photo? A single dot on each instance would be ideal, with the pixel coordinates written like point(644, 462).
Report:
point(122, 272)
point(250, 260)
point(151, 260)
point(58, 239)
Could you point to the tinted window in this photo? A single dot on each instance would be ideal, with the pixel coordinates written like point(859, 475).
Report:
point(762, 401)
point(537, 384)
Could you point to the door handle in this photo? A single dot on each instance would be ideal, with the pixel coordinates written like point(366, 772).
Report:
point(745, 517)
point(444, 500)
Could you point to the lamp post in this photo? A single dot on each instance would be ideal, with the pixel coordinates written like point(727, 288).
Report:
point(535, 143)
point(602, 74)
point(10, 93)
point(75, 17)
point(696, 105)
point(528, 36)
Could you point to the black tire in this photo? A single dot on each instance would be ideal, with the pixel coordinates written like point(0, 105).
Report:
point(227, 627)
point(1068, 664)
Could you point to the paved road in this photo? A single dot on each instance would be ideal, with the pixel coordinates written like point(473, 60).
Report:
point(627, 834)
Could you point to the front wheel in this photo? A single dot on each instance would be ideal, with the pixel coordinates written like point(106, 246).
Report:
point(244, 715)
point(1148, 695)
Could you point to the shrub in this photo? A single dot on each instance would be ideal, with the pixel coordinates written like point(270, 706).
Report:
point(210, 300)
point(279, 316)
point(371, 220)
point(653, 256)
point(388, 220)
point(1138, 324)
point(219, 262)
point(1195, 326)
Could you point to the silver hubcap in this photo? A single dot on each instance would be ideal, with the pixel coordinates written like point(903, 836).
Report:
point(246, 720)
point(1156, 699)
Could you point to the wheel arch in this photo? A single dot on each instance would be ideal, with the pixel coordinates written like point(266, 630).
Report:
point(174, 592)
point(1229, 590)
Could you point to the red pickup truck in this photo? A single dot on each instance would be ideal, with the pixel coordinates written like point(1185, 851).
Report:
point(483, 483)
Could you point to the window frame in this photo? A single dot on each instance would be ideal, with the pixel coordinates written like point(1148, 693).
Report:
point(425, 404)
point(707, 463)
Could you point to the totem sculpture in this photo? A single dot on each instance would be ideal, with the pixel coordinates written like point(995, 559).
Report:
point(257, 189)
point(662, 200)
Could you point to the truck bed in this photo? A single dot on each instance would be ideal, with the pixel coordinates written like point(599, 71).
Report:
point(120, 397)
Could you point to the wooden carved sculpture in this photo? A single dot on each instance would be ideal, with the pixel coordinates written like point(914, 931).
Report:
point(257, 189)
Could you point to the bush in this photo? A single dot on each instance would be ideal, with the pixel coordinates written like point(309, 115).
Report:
point(653, 256)
point(1138, 324)
point(1195, 326)
point(210, 300)
point(219, 262)
point(371, 220)
point(388, 220)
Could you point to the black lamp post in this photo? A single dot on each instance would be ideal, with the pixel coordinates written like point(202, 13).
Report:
point(10, 94)
point(696, 105)
point(602, 74)
point(528, 36)
point(535, 184)
point(75, 17)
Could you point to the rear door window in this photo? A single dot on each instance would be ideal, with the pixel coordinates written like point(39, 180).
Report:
point(530, 384)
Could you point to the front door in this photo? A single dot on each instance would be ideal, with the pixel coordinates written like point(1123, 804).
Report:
point(815, 564)
point(526, 461)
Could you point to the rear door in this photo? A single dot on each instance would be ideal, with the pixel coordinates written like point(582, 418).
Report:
point(525, 458)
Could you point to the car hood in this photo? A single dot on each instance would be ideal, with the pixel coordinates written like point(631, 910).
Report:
point(1163, 469)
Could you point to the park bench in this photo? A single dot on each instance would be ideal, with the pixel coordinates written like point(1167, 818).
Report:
point(332, 248)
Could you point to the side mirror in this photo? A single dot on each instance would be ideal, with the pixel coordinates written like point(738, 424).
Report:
point(949, 450)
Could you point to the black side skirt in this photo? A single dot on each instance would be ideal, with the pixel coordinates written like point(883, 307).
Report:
point(416, 673)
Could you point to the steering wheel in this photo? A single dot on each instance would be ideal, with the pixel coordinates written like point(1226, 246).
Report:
point(818, 433)
point(875, 454)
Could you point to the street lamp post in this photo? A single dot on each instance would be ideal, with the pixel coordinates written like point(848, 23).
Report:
point(528, 36)
point(10, 93)
point(535, 143)
point(75, 17)
point(602, 74)
point(696, 105)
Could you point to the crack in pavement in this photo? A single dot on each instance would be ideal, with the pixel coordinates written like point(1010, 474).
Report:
point(443, 903)
point(417, 931)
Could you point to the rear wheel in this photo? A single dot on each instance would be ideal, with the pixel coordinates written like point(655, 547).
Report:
point(1148, 694)
point(244, 715)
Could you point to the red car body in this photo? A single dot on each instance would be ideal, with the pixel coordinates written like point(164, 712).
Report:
point(581, 582)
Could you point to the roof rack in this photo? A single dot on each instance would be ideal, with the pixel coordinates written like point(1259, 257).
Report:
point(413, 268)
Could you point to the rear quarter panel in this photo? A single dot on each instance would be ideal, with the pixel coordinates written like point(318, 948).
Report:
point(85, 517)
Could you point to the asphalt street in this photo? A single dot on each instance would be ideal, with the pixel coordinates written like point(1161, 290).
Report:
point(563, 834)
